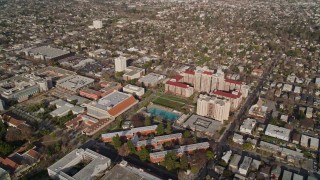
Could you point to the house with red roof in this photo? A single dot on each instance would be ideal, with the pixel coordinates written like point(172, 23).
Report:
point(11, 121)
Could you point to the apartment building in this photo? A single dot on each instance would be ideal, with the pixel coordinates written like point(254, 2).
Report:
point(235, 97)
point(174, 86)
point(214, 107)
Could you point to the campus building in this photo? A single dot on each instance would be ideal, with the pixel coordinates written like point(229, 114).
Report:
point(87, 163)
point(158, 141)
point(74, 83)
point(157, 157)
point(132, 72)
point(21, 88)
point(46, 53)
point(129, 134)
point(213, 107)
point(111, 105)
point(151, 79)
point(139, 91)
point(90, 93)
point(109, 87)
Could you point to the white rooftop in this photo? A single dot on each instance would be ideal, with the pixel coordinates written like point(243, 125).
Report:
point(48, 51)
point(113, 99)
point(73, 83)
point(98, 163)
point(151, 78)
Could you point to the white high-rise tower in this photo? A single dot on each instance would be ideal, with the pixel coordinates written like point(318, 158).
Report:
point(120, 64)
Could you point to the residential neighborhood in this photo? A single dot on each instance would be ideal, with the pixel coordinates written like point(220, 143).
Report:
point(170, 89)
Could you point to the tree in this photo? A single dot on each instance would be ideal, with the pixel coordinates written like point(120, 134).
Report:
point(137, 120)
point(13, 134)
point(143, 154)
point(131, 147)
point(160, 129)
point(169, 128)
point(186, 134)
point(3, 130)
point(74, 102)
point(210, 155)
point(184, 162)
point(147, 121)
point(158, 118)
point(247, 146)
point(26, 131)
point(170, 161)
point(116, 141)
point(5, 148)
point(124, 150)
point(198, 158)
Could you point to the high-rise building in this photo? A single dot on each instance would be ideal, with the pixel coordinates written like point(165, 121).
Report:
point(206, 81)
point(1, 105)
point(197, 80)
point(214, 107)
point(120, 64)
point(97, 24)
point(218, 80)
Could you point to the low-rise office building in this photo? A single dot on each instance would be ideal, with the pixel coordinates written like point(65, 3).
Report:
point(139, 91)
point(132, 72)
point(278, 132)
point(151, 79)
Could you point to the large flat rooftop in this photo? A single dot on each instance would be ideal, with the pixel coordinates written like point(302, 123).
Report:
point(203, 124)
point(48, 51)
point(113, 99)
point(63, 167)
point(74, 83)
point(151, 78)
point(119, 172)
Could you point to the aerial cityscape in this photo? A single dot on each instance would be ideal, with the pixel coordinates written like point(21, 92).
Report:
point(159, 89)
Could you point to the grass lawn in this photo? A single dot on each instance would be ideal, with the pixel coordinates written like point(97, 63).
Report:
point(174, 98)
point(168, 103)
